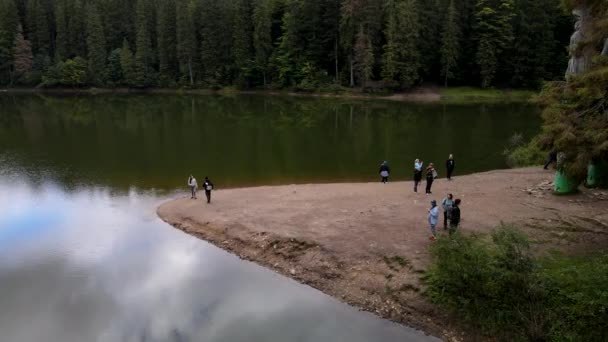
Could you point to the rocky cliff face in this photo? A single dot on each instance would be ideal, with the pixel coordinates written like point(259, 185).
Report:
point(580, 59)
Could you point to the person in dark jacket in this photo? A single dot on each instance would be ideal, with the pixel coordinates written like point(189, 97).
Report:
point(455, 216)
point(449, 165)
point(208, 186)
point(431, 174)
point(552, 158)
point(385, 171)
point(417, 173)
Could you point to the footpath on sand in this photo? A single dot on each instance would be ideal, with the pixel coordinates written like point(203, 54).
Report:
point(366, 243)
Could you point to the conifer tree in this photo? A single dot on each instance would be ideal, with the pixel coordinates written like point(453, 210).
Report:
point(96, 46)
point(262, 35)
point(401, 60)
point(242, 41)
point(166, 36)
point(364, 57)
point(186, 38)
point(449, 43)
point(494, 32)
point(127, 65)
point(142, 46)
point(61, 27)
point(8, 29)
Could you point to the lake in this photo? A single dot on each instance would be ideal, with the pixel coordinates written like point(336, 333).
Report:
point(83, 256)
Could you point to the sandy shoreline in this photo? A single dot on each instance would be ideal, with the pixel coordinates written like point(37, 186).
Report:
point(366, 243)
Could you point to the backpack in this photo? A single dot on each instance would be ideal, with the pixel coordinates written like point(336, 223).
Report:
point(435, 175)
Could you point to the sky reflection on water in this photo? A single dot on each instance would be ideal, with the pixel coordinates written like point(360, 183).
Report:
point(92, 265)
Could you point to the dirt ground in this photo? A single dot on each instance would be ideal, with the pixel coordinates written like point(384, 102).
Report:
point(366, 243)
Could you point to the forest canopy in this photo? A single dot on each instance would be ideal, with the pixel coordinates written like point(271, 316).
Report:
point(300, 44)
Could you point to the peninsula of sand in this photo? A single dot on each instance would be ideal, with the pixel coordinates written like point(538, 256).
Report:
point(367, 243)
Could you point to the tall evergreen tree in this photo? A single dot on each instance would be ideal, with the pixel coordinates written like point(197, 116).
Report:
point(96, 46)
point(61, 27)
point(494, 32)
point(430, 15)
point(215, 38)
point(186, 38)
point(127, 65)
point(287, 59)
point(449, 43)
point(142, 46)
point(363, 57)
point(8, 29)
point(534, 42)
point(262, 35)
point(401, 60)
point(242, 41)
point(166, 37)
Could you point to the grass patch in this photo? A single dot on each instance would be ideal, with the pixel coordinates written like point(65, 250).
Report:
point(470, 94)
point(496, 286)
point(393, 262)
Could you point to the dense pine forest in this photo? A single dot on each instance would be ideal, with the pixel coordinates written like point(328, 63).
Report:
point(295, 44)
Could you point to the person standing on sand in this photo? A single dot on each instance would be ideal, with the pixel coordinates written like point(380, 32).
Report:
point(448, 205)
point(385, 171)
point(433, 218)
point(417, 173)
point(208, 186)
point(455, 217)
point(449, 165)
point(193, 186)
point(552, 158)
point(431, 174)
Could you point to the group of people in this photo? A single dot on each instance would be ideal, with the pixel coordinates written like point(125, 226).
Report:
point(430, 172)
point(451, 215)
point(451, 209)
point(207, 186)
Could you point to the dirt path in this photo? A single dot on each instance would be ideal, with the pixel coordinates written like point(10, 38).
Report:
point(366, 244)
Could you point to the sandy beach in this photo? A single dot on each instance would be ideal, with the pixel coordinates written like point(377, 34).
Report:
point(367, 243)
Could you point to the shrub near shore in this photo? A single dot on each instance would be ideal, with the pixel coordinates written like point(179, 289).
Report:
point(497, 286)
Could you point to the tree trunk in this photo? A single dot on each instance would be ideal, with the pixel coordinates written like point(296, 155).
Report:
point(352, 75)
point(190, 71)
point(336, 57)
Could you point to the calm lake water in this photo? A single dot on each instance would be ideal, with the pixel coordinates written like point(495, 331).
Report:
point(83, 256)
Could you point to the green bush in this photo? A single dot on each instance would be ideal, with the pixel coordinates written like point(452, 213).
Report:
point(496, 286)
point(519, 154)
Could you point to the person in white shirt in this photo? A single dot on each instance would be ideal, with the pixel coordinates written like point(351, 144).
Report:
point(433, 218)
point(193, 186)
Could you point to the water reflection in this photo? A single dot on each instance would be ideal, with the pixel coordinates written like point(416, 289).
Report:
point(90, 265)
point(158, 140)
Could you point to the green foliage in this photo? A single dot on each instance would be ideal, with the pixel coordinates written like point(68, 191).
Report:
point(449, 43)
point(519, 154)
point(95, 46)
point(72, 73)
point(575, 119)
point(127, 64)
point(494, 32)
point(578, 297)
point(498, 287)
point(401, 59)
point(142, 65)
point(364, 57)
point(370, 44)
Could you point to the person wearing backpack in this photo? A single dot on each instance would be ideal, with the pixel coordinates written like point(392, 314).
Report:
point(193, 186)
point(455, 216)
point(208, 186)
point(448, 205)
point(417, 173)
point(431, 174)
point(385, 171)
